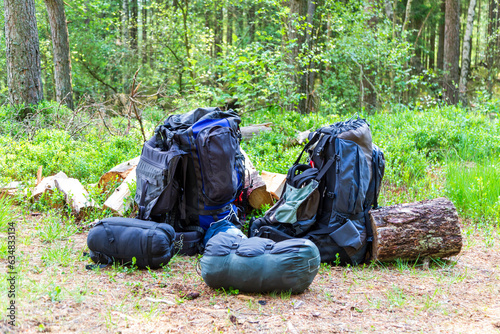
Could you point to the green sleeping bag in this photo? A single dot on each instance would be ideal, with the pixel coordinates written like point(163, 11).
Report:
point(259, 264)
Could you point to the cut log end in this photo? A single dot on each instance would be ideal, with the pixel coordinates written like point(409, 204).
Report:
point(416, 230)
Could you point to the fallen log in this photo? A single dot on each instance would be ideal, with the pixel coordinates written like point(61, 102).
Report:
point(416, 230)
point(47, 184)
point(119, 172)
point(275, 183)
point(247, 132)
point(75, 195)
point(257, 192)
point(10, 190)
point(117, 201)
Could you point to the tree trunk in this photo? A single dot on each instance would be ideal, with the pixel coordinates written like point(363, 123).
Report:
point(218, 29)
point(491, 46)
point(432, 51)
point(466, 53)
point(478, 34)
point(229, 29)
point(440, 52)
point(145, 43)
point(125, 19)
point(251, 21)
point(62, 58)
point(134, 13)
point(416, 230)
point(298, 36)
point(451, 51)
point(24, 75)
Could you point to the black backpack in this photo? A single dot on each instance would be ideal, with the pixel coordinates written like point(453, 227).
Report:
point(192, 170)
point(349, 170)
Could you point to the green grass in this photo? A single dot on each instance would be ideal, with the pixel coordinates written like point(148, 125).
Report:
point(475, 189)
point(52, 227)
point(442, 151)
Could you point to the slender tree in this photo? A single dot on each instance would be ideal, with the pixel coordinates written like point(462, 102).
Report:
point(23, 54)
point(451, 51)
point(492, 44)
point(298, 36)
point(440, 51)
point(125, 19)
point(229, 29)
point(466, 52)
point(145, 40)
point(62, 59)
point(218, 31)
point(134, 14)
point(432, 45)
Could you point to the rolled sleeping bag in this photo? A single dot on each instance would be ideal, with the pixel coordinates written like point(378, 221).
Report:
point(259, 264)
point(118, 239)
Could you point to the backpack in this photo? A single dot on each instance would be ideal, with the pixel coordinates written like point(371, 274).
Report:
point(349, 170)
point(191, 170)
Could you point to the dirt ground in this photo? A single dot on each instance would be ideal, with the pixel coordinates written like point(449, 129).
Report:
point(57, 294)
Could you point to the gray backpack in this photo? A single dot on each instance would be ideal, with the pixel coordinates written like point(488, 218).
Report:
point(349, 174)
point(192, 170)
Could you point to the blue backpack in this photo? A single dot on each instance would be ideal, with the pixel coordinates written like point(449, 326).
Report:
point(348, 168)
point(192, 170)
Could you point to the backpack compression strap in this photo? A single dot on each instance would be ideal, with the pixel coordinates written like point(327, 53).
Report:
point(314, 139)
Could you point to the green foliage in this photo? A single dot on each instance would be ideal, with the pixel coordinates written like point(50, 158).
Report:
point(475, 189)
point(417, 144)
point(84, 157)
point(6, 214)
point(51, 227)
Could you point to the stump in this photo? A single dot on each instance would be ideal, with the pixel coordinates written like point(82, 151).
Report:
point(416, 230)
point(256, 187)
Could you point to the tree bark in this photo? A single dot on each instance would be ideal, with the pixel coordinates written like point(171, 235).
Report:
point(466, 53)
point(125, 21)
point(440, 52)
point(251, 21)
point(145, 44)
point(478, 34)
point(416, 230)
point(62, 58)
point(134, 13)
point(24, 75)
point(255, 186)
point(218, 29)
point(229, 28)
point(299, 23)
point(491, 52)
point(451, 51)
point(432, 45)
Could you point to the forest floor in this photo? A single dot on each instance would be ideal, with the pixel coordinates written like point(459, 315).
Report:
point(57, 294)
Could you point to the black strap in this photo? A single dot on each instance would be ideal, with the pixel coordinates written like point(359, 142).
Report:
point(375, 178)
point(142, 209)
point(150, 245)
point(326, 167)
point(95, 266)
point(109, 233)
point(311, 142)
point(183, 195)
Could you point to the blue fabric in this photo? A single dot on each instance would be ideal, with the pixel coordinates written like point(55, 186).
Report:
point(207, 220)
point(222, 226)
point(200, 125)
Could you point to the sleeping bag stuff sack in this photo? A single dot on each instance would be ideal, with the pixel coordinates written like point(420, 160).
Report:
point(120, 239)
point(259, 264)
